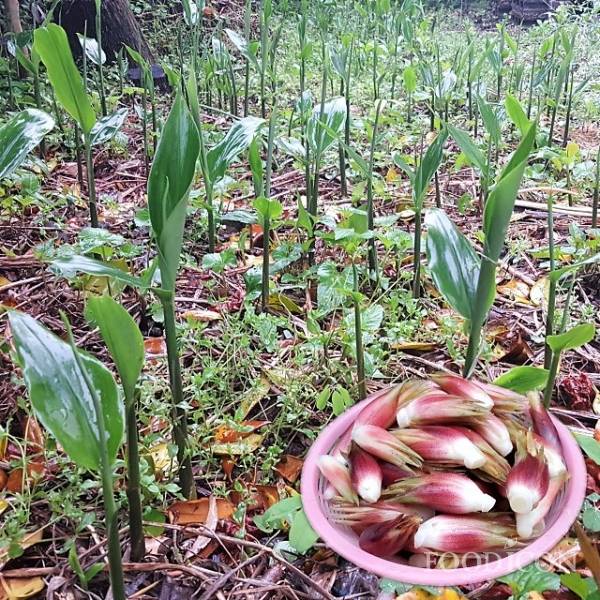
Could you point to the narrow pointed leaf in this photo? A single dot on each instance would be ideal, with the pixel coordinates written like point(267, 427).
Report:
point(523, 379)
point(427, 168)
point(490, 120)
point(92, 50)
point(453, 263)
point(107, 127)
point(238, 139)
point(20, 136)
point(52, 45)
point(60, 396)
point(474, 155)
point(574, 338)
point(122, 336)
point(169, 184)
point(322, 129)
point(71, 265)
point(517, 115)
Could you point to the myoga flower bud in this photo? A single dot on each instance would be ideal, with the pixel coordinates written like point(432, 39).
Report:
point(365, 474)
point(338, 476)
point(496, 467)
point(505, 401)
point(556, 465)
point(448, 533)
point(445, 492)
point(443, 445)
point(437, 407)
point(384, 445)
point(494, 432)
point(542, 423)
point(527, 522)
point(415, 388)
point(380, 411)
point(392, 473)
point(528, 480)
point(360, 517)
point(387, 539)
point(463, 388)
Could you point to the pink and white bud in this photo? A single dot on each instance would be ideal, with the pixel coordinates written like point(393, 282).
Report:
point(383, 445)
point(556, 465)
point(505, 401)
point(360, 517)
point(392, 473)
point(494, 432)
point(437, 407)
point(496, 467)
point(542, 423)
point(387, 539)
point(443, 445)
point(380, 411)
point(528, 480)
point(338, 476)
point(365, 474)
point(461, 534)
point(445, 492)
point(528, 523)
point(415, 388)
point(463, 388)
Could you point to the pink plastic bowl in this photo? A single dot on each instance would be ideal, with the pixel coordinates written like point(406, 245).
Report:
point(345, 542)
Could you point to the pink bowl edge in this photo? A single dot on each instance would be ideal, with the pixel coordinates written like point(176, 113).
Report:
point(572, 502)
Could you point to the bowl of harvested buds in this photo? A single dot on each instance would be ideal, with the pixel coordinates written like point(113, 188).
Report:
point(444, 481)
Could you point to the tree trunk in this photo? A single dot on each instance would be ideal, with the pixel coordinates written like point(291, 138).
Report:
point(118, 26)
point(12, 9)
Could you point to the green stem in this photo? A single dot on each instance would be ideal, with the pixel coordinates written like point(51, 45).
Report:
point(136, 531)
point(265, 264)
point(178, 413)
point(91, 181)
point(552, 287)
point(100, 68)
point(370, 211)
point(360, 357)
point(110, 508)
point(417, 256)
point(596, 192)
point(552, 372)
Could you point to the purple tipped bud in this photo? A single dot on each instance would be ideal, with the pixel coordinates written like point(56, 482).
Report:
point(458, 386)
point(446, 533)
point(437, 407)
point(446, 492)
point(505, 401)
point(392, 473)
point(415, 388)
point(528, 480)
point(494, 432)
point(365, 474)
point(385, 446)
point(528, 522)
point(387, 539)
point(542, 423)
point(338, 476)
point(443, 445)
point(360, 517)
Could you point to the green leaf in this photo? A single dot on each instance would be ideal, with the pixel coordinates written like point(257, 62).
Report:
point(238, 139)
point(581, 586)
point(323, 129)
point(427, 167)
point(106, 128)
point(302, 535)
point(531, 579)
point(20, 136)
point(59, 394)
point(279, 514)
point(523, 379)
point(122, 337)
point(490, 120)
point(92, 51)
point(409, 77)
point(267, 209)
point(516, 114)
point(191, 14)
point(169, 185)
point(69, 266)
point(453, 263)
point(559, 273)
point(591, 519)
point(574, 338)
point(53, 47)
point(590, 446)
point(256, 167)
point(474, 155)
